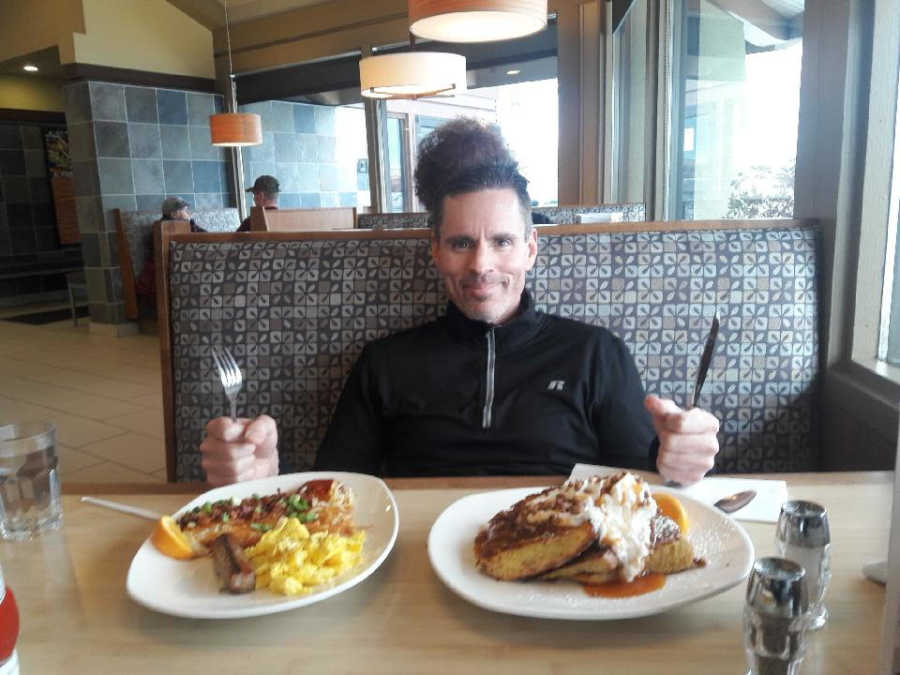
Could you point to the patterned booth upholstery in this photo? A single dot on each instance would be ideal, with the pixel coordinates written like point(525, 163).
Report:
point(135, 237)
point(556, 214)
point(296, 311)
point(392, 221)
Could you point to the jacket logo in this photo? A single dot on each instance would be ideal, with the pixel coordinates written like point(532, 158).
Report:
point(556, 385)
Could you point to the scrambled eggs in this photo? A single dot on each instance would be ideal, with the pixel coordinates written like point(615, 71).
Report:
point(289, 560)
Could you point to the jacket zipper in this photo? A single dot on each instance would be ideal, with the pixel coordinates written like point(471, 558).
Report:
point(489, 379)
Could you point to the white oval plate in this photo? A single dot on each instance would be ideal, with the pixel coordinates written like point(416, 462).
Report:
point(716, 537)
point(189, 588)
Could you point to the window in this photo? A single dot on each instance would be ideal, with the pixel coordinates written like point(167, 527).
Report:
point(400, 195)
point(889, 342)
point(351, 154)
point(631, 137)
point(526, 112)
point(735, 105)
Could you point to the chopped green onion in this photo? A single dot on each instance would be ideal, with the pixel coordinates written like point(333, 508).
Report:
point(207, 507)
point(261, 527)
point(225, 517)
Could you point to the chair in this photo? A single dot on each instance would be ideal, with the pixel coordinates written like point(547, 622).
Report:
point(75, 281)
point(302, 220)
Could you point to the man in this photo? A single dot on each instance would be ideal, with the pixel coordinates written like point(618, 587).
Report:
point(468, 393)
point(265, 194)
point(173, 208)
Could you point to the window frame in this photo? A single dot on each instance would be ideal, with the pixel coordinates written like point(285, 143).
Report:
point(877, 177)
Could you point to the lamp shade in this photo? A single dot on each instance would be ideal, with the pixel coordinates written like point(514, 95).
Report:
point(235, 129)
point(476, 20)
point(412, 75)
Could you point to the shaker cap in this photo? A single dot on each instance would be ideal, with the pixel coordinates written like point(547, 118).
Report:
point(803, 524)
point(777, 587)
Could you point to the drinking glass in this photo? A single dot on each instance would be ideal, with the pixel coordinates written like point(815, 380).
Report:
point(29, 480)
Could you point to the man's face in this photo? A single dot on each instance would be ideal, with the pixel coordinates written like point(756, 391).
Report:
point(182, 214)
point(259, 198)
point(483, 255)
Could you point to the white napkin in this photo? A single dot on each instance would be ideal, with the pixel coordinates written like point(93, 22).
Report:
point(765, 507)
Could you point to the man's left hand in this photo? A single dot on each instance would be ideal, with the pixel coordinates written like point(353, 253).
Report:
point(687, 440)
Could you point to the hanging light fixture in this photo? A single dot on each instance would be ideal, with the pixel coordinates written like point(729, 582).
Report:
point(476, 20)
point(234, 129)
point(412, 75)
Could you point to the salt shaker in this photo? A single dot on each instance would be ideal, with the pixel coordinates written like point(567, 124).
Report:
point(802, 535)
point(774, 617)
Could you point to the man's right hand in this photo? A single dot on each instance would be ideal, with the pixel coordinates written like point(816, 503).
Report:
point(239, 450)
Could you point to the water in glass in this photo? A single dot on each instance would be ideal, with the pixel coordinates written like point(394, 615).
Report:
point(29, 480)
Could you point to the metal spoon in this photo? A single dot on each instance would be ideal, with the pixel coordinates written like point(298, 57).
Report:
point(737, 501)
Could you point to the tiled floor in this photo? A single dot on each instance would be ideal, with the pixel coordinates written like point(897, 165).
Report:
point(103, 393)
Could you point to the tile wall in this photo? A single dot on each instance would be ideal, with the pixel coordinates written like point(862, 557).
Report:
point(299, 149)
point(132, 147)
point(28, 234)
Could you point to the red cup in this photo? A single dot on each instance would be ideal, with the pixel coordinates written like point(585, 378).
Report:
point(9, 621)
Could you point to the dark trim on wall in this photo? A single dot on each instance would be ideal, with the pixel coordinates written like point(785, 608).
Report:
point(144, 78)
point(46, 116)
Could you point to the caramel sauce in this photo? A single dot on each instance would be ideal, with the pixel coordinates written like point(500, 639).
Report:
point(626, 589)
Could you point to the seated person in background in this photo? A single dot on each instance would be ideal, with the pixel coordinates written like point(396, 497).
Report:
point(173, 208)
point(493, 387)
point(265, 194)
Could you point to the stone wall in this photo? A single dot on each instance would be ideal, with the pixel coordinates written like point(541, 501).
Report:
point(131, 148)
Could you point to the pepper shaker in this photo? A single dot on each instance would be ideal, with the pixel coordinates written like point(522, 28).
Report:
point(802, 535)
point(775, 617)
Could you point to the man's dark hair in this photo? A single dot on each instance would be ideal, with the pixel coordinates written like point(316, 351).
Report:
point(466, 155)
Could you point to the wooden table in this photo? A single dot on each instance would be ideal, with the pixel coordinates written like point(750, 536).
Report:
point(76, 617)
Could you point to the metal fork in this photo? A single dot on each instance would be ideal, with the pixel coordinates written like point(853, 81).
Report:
point(230, 374)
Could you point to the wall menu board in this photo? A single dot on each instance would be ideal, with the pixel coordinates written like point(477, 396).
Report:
point(890, 638)
point(59, 164)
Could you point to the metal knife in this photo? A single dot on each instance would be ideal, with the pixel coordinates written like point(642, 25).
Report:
point(705, 359)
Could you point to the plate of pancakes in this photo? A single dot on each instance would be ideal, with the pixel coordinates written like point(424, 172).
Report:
point(556, 565)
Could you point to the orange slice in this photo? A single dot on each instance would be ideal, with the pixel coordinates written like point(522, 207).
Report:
point(169, 540)
point(671, 507)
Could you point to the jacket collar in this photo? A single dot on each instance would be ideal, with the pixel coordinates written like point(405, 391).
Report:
point(514, 332)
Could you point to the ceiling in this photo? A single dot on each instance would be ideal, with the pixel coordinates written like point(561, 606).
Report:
point(244, 10)
point(47, 61)
point(211, 13)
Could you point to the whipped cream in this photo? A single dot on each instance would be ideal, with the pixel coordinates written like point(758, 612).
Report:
point(619, 508)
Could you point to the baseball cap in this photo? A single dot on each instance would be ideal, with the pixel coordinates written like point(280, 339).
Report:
point(173, 204)
point(265, 183)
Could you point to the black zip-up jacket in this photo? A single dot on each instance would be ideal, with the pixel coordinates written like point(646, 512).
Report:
point(463, 397)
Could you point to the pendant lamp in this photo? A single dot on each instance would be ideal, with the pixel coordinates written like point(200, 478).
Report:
point(234, 129)
point(412, 75)
point(476, 20)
